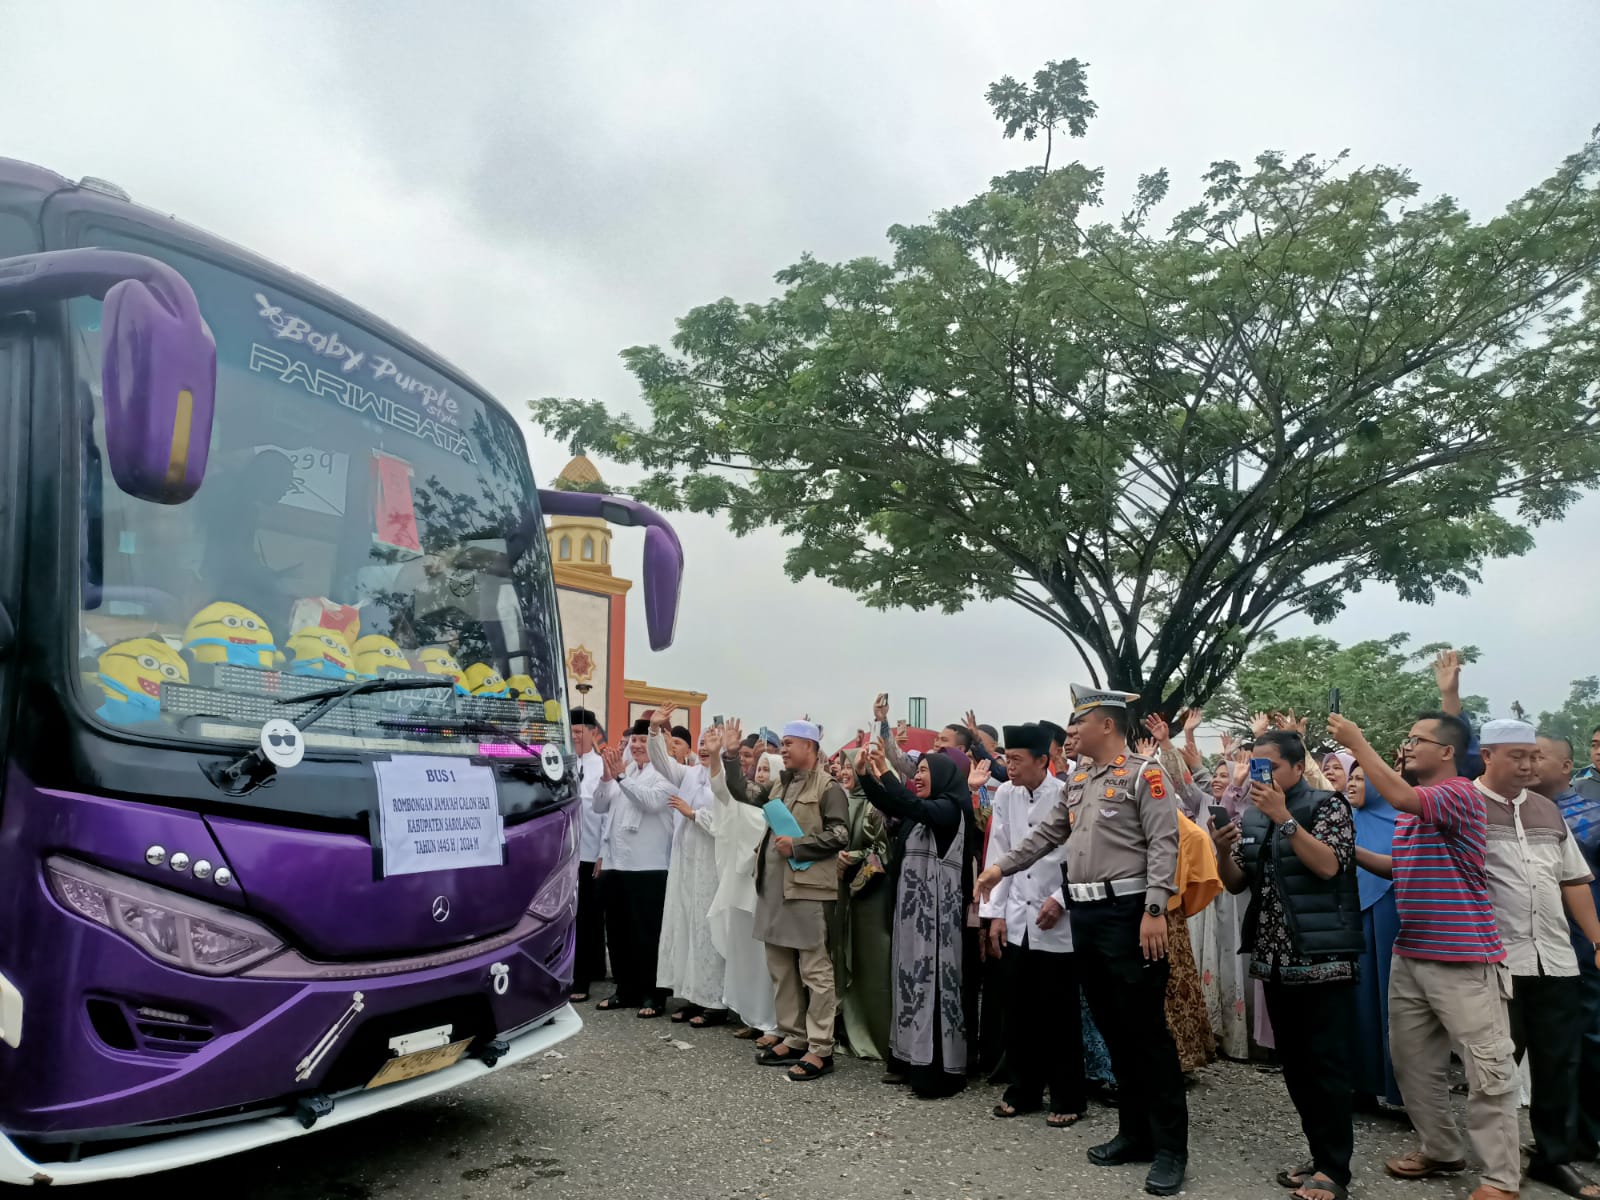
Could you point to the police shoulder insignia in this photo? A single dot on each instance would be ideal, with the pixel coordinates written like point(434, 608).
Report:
point(1158, 786)
point(1119, 760)
point(1080, 777)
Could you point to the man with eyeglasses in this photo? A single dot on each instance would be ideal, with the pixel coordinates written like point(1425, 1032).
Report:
point(1449, 982)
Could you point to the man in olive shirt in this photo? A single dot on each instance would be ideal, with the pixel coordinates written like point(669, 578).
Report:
point(1121, 870)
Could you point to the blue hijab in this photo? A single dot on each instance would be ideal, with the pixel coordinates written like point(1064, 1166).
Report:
point(1374, 832)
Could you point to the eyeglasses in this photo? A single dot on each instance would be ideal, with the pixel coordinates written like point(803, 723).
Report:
point(1414, 739)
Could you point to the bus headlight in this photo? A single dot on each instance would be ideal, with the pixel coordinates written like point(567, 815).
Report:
point(172, 928)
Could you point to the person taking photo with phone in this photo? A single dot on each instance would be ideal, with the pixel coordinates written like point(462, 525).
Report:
point(1293, 849)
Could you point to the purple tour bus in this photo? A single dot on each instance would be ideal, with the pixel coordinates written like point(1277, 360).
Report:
point(288, 824)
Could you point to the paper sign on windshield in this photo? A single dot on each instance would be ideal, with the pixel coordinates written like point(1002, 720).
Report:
point(437, 814)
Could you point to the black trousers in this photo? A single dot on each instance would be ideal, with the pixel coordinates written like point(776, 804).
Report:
point(634, 902)
point(1128, 998)
point(589, 958)
point(1314, 1026)
point(1546, 1024)
point(1587, 1144)
point(1044, 1030)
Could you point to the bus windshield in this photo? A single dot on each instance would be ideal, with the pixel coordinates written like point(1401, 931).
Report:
point(362, 517)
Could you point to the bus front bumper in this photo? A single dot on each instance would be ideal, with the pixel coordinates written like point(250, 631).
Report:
point(186, 1149)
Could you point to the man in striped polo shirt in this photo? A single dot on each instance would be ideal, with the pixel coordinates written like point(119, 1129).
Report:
point(1449, 983)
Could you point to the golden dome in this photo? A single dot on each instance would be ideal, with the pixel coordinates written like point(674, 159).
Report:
point(580, 473)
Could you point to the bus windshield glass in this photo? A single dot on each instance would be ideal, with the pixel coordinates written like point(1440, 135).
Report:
point(362, 516)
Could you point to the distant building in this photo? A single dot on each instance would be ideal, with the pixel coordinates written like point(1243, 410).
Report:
point(592, 602)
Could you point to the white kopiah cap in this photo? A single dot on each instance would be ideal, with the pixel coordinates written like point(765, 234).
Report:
point(1507, 733)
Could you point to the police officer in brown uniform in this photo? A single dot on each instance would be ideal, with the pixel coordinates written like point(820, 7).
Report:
point(1121, 817)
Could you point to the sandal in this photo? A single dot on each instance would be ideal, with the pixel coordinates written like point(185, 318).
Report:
point(1318, 1186)
point(709, 1018)
point(578, 997)
point(747, 1033)
point(1293, 1177)
point(1414, 1164)
point(1060, 1120)
point(649, 1013)
point(1565, 1178)
point(612, 1004)
point(770, 1057)
point(767, 1041)
point(686, 1013)
point(1005, 1110)
point(804, 1072)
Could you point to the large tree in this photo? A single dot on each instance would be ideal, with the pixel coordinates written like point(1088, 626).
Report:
point(1383, 684)
point(1578, 718)
point(1161, 439)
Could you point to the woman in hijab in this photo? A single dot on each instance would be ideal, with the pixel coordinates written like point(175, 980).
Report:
point(1336, 770)
point(928, 1043)
point(862, 920)
point(1381, 921)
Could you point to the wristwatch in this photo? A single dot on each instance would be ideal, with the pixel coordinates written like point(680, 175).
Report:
point(1155, 910)
point(1289, 828)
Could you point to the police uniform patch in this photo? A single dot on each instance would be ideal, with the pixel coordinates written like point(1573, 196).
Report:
point(1120, 772)
point(1158, 787)
point(1080, 777)
point(1119, 760)
point(1110, 792)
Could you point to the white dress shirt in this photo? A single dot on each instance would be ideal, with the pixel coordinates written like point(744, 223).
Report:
point(592, 824)
point(1018, 897)
point(640, 834)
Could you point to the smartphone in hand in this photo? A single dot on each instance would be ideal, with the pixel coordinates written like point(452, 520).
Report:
point(1219, 815)
point(1261, 771)
point(1333, 700)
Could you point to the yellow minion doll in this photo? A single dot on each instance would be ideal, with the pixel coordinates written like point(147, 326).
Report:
point(230, 633)
point(436, 660)
point(484, 680)
point(321, 652)
point(131, 675)
point(377, 655)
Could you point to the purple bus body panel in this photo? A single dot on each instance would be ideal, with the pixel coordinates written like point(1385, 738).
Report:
point(295, 880)
point(65, 1077)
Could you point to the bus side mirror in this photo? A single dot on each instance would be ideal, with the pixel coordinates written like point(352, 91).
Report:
point(663, 579)
point(158, 376)
point(159, 384)
point(663, 555)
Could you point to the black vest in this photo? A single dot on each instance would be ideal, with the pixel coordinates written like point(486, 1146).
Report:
point(1323, 915)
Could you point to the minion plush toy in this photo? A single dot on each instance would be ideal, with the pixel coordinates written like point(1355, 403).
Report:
point(436, 660)
point(321, 652)
point(230, 633)
point(523, 688)
point(377, 655)
point(484, 680)
point(131, 675)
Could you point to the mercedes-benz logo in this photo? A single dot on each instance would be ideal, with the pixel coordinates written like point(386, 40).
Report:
point(441, 908)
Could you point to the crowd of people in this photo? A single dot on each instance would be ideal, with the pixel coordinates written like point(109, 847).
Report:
point(1091, 910)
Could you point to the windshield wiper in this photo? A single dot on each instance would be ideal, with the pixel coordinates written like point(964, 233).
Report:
point(254, 769)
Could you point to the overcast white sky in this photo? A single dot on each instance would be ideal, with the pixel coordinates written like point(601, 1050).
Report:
point(531, 188)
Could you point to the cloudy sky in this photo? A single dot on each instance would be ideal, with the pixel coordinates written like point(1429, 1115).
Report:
point(530, 188)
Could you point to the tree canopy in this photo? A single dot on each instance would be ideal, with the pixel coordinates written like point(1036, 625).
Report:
point(1577, 719)
point(1382, 684)
point(1163, 433)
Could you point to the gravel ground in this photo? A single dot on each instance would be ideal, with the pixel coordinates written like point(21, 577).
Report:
point(627, 1114)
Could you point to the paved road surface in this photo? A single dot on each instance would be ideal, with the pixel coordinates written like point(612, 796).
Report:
point(627, 1115)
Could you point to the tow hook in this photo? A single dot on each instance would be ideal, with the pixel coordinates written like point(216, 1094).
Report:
point(308, 1110)
point(493, 1052)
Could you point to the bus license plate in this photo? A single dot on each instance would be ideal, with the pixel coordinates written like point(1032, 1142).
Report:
point(422, 1062)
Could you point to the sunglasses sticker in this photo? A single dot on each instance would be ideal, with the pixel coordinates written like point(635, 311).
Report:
point(282, 744)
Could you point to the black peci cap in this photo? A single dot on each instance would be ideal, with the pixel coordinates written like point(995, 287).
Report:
point(1057, 734)
point(640, 728)
point(583, 716)
point(1035, 739)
